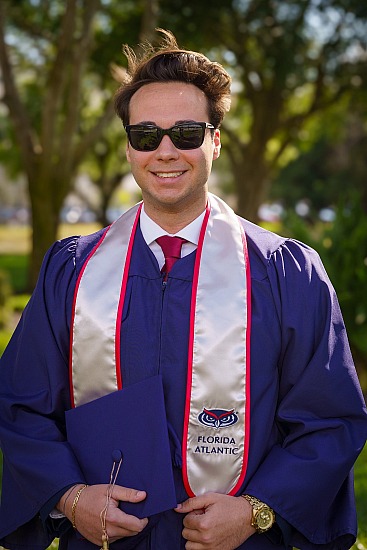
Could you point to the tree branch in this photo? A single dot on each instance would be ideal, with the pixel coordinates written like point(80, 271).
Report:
point(56, 82)
point(91, 137)
point(28, 26)
point(236, 148)
point(80, 54)
point(11, 98)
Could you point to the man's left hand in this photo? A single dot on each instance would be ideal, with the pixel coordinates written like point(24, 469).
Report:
point(216, 522)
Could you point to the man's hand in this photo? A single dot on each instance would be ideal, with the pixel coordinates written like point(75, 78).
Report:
point(88, 512)
point(216, 522)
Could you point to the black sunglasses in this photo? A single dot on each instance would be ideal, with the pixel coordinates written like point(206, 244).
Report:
point(147, 137)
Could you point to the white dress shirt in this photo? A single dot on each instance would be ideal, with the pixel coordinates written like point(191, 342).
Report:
point(151, 231)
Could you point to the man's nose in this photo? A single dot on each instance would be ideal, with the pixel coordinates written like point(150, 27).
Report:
point(166, 150)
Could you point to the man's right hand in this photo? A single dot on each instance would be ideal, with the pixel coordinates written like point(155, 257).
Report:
point(88, 510)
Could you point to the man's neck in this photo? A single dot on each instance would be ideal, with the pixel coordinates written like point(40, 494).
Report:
point(171, 221)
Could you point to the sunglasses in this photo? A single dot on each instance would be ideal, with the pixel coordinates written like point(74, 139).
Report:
point(147, 137)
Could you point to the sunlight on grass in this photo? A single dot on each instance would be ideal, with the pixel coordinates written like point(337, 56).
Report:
point(16, 239)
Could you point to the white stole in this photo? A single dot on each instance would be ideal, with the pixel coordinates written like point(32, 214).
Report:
point(216, 426)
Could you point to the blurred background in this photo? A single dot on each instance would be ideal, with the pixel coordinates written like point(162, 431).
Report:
point(294, 155)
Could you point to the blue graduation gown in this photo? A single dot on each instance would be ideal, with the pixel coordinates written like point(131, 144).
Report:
point(308, 418)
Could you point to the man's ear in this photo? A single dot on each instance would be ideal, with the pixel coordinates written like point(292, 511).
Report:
point(217, 144)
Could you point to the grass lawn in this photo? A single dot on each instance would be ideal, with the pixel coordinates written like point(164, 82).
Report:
point(16, 266)
point(360, 484)
point(15, 242)
point(16, 239)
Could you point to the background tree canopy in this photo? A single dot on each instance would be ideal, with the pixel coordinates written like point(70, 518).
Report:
point(296, 130)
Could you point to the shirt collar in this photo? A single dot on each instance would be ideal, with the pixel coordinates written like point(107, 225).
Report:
point(151, 230)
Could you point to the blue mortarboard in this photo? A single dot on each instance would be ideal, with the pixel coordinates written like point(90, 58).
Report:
point(129, 424)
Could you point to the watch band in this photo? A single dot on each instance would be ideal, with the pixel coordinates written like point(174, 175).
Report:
point(263, 517)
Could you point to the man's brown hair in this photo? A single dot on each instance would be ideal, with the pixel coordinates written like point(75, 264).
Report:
point(168, 63)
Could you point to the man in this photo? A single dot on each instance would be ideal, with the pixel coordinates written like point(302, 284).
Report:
point(264, 412)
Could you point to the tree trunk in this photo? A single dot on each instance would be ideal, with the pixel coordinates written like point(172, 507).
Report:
point(250, 173)
point(251, 186)
point(149, 20)
point(51, 155)
point(44, 233)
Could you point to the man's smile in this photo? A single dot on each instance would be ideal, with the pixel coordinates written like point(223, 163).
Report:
point(168, 174)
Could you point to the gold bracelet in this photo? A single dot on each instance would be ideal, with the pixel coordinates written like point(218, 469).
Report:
point(67, 497)
point(75, 502)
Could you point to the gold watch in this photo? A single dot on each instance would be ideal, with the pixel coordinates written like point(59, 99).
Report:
point(263, 517)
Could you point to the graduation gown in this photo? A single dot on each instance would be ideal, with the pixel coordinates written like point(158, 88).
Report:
point(308, 420)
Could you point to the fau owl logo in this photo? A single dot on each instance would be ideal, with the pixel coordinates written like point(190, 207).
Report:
point(218, 418)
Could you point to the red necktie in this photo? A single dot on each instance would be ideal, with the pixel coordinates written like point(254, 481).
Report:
point(171, 247)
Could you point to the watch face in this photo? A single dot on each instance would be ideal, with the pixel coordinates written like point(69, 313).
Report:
point(265, 519)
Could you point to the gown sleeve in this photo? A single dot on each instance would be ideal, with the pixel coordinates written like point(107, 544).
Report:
point(34, 393)
point(321, 415)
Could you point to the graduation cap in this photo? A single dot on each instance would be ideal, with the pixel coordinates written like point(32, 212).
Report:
point(129, 424)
